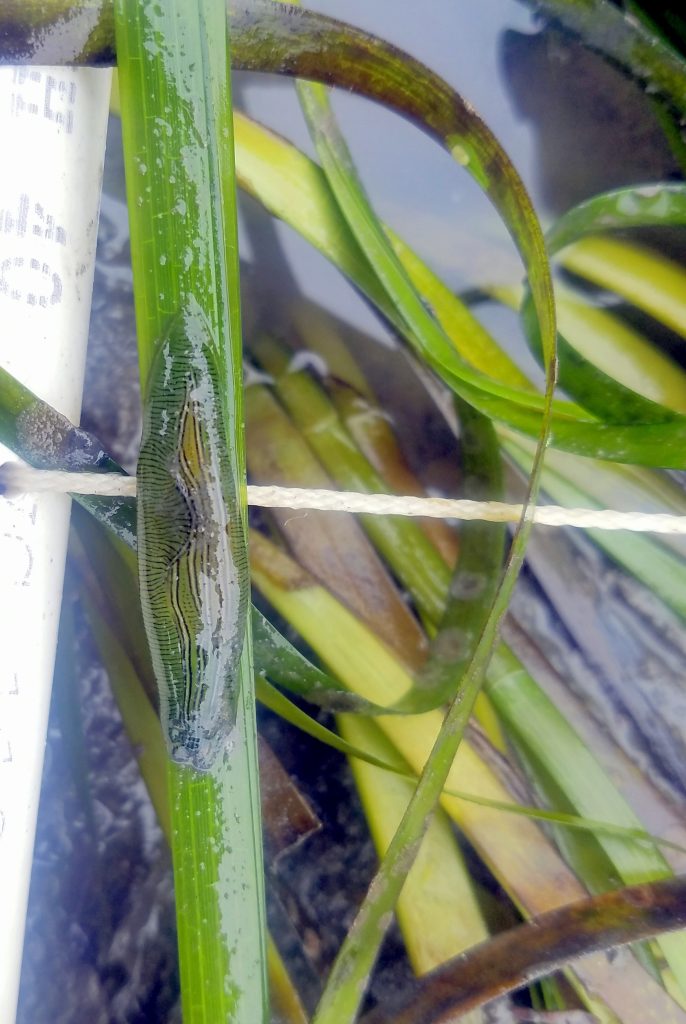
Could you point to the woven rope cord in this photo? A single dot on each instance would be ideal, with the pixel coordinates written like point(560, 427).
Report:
point(17, 479)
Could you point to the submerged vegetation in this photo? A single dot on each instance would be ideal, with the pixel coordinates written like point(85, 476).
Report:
point(513, 830)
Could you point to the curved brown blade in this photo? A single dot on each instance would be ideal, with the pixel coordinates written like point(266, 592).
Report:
point(519, 956)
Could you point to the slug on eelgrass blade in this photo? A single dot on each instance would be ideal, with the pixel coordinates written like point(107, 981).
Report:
point(193, 568)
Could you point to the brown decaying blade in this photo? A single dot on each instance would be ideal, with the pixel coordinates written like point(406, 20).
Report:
point(519, 956)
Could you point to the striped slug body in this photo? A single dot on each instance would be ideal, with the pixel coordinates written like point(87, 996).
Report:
point(192, 558)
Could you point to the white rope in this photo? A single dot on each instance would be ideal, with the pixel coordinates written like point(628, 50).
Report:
point(17, 479)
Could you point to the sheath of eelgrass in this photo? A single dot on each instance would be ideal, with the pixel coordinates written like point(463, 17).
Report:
point(177, 131)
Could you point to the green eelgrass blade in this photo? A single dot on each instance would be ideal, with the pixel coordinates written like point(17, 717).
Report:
point(345, 986)
point(552, 745)
point(662, 204)
point(294, 189)
point(475, 581)
point(437, 911)
point(115, 623)
point(46, 439)
point(650, 205)
point(215, 885)
point(273, 699)
point(599, 392)
point(295, 40)
point(176, 126)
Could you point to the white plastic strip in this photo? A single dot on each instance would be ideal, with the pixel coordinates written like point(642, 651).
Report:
point(52, 126)
point(18, 479)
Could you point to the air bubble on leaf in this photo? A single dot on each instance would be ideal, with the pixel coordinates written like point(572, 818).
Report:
point(460, 154)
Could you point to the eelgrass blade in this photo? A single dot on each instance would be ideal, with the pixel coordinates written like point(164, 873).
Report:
point(437, 910)
point(552, 746)
point(46, 439)
point(597, 391)
point(657, 204)
point(650, 205)
point(626, 355)
point(482, 552)
point(176, 125)
point(115, 624)
point(374, 436)
point(519, 956)
point(292, 187)
point(318, 331)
